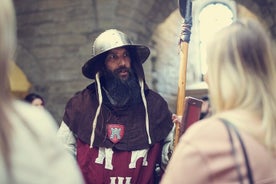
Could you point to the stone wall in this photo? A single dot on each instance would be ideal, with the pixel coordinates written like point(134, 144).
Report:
point(55, 40)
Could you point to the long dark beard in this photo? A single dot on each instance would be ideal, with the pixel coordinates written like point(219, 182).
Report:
point(121, 92)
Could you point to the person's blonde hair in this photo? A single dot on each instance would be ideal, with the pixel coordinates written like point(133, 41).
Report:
point(7, 49)
point(242, 73)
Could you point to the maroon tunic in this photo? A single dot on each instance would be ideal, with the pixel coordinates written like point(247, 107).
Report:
point(117, 167)
point(130, 158)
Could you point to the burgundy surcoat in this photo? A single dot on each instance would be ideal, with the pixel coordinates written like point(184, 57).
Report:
point(111, 161)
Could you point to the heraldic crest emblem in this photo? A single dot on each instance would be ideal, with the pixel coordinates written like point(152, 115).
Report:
point(115, 132)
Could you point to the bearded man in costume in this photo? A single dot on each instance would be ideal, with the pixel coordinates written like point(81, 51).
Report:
point(117, 127)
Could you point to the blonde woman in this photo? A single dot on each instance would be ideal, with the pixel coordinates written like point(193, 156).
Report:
point(29, 151)
point(241, 78)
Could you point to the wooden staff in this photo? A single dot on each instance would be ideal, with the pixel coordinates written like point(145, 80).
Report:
point(185, 7)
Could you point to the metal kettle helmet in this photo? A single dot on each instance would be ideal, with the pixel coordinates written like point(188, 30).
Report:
point(106, 41)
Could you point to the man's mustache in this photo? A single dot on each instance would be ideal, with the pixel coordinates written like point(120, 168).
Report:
point(121, 69)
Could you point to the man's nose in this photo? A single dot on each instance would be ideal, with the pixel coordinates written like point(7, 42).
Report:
point(122, 61)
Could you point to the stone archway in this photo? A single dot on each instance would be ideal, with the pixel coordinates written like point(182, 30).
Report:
point(56, 39)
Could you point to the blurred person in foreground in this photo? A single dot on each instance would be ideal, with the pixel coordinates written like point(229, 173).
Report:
point(29, 150)
point(117, 127)
point(241, 77)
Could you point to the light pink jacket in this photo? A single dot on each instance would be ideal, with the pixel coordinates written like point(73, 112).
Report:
point(203, 156)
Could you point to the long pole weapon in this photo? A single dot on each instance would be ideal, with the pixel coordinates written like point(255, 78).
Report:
point(185, 7)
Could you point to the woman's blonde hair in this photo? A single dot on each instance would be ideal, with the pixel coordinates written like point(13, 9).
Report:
point(242, 73)
point(7, 49)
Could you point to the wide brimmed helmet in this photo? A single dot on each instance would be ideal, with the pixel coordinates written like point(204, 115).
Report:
point(111, 39)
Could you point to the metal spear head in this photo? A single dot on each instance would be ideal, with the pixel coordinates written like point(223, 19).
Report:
point(185, 7)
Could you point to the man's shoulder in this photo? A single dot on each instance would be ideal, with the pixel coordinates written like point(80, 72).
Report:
point(84, 94)
point(155, 96)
